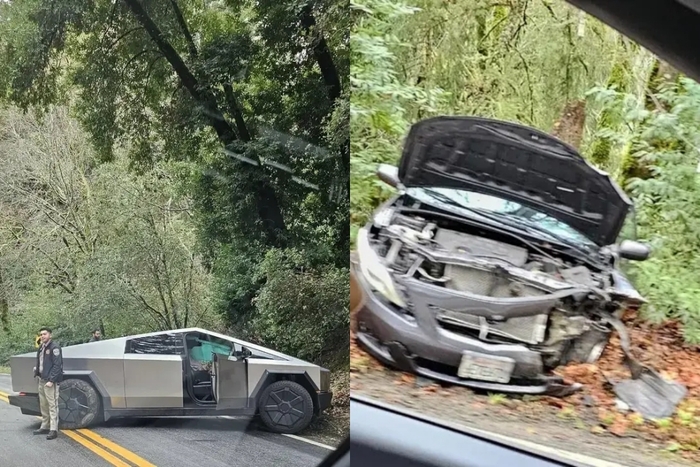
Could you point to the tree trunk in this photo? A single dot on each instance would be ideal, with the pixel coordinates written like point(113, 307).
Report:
point(661, 73)
point(191, 47)
point(268, 206)
point(569, 128)
point(323, 55)
point(4, 306)
point(200, 94)
point(235, 110)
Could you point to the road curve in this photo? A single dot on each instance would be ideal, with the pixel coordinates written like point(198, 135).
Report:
point(150, 442)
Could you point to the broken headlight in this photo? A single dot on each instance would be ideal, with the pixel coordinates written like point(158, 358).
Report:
point(374, 271)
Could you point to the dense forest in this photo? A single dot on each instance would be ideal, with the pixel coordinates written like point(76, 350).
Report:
point(545, 64)
point(175, 163)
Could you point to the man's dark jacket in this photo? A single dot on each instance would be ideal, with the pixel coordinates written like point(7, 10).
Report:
point(53, 363)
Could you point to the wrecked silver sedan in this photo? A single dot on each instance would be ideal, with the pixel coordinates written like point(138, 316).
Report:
point(497, 261)
point(184, 372)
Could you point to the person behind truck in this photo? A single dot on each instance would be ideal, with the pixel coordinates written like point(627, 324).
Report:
point(96, 336)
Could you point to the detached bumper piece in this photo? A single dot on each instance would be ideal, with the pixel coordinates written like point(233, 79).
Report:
point(395, 355)
point(647, 392)
point(28, 403)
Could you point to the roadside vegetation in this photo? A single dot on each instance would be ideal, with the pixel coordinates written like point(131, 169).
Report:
point(550, 66)
point(140, 180)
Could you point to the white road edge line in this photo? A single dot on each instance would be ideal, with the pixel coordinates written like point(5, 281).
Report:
point(315, 443)
point(591, 461)
point(305, 440)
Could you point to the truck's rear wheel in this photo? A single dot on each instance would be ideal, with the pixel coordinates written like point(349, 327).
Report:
point(79, 404)
point(286, 407)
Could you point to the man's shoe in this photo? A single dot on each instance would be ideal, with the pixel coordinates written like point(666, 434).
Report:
point(52, 435)
point(41, 431)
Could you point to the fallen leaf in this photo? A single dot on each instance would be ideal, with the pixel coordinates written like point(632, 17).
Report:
point(618, 428)
point(406, 378)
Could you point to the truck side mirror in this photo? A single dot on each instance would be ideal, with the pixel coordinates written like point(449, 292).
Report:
point(245, 352)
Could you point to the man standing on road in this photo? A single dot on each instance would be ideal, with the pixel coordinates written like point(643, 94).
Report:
point(96, 336)
point(49, 370)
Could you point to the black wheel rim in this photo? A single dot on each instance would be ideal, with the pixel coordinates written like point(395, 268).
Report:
point(285, 407)
point(73, 405)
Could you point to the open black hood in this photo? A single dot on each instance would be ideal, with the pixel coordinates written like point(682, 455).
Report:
point(518, 163)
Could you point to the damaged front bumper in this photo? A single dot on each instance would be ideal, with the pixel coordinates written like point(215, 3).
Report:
point(420, 343)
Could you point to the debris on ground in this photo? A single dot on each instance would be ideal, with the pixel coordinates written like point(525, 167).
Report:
point(596, 408)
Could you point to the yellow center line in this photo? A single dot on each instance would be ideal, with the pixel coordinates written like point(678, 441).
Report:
point(114, 447)
point(112, 459)
point(100, 445)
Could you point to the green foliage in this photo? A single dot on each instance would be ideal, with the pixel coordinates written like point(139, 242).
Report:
point(380, 99)
point(303, 310)
point(601, 149)
point(665, 141)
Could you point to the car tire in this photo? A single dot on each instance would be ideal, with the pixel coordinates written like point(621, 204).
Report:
point(79, 404)
point(285, 407)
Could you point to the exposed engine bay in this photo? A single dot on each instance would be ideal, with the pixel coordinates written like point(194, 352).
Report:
point(471, 260)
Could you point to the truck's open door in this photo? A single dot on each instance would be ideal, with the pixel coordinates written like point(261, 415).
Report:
point(230, 378)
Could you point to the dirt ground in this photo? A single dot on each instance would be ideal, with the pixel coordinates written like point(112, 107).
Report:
point(588, 422)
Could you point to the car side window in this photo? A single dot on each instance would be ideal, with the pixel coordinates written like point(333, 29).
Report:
point(161, 344)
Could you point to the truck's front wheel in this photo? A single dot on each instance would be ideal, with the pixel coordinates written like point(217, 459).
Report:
point(286, 407)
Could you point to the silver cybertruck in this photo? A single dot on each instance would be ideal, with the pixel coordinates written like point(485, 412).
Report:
point(183, 372)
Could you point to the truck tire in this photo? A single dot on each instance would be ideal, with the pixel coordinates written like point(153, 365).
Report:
point(286, 407)
point(79, 404)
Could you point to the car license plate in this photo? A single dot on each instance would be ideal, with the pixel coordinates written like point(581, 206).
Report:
point(482, 367)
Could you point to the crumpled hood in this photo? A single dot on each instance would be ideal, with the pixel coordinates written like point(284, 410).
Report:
point(517, 163)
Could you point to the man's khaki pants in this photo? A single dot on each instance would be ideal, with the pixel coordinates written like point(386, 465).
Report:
point(48, 401)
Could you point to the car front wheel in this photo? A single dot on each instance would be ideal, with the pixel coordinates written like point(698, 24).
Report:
point(78, 404)
point(286, 407)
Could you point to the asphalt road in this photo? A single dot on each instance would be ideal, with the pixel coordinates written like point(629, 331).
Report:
point(150, 442)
